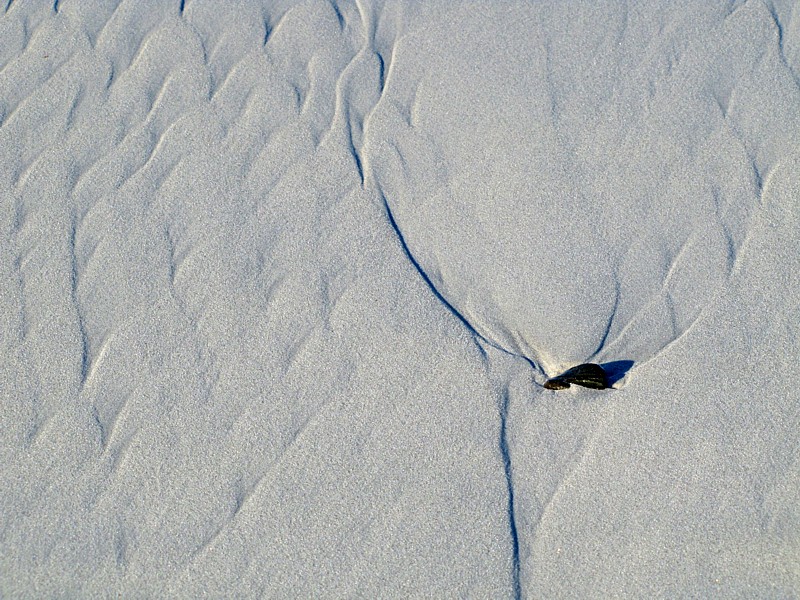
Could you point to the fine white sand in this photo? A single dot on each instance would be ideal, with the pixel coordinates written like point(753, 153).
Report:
point(280, 284)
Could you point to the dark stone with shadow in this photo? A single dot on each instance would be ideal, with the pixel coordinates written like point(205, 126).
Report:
point(588, 375)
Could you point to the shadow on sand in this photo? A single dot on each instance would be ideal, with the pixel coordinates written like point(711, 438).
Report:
point(616, 370)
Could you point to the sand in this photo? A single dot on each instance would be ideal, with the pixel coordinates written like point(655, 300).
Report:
point(280, 284)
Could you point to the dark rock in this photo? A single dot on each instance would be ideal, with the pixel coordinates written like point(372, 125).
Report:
point(588, 375)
